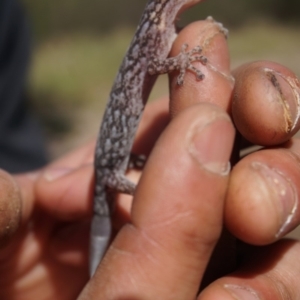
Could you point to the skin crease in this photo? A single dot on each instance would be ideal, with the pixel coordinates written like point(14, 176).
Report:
point(62, 193)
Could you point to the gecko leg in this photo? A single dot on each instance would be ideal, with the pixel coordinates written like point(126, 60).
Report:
point(182, 62)
point(120, 183)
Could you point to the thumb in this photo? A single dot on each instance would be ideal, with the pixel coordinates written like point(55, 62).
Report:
point(176, 215)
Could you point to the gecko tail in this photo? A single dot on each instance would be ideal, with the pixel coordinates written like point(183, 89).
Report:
point(100, 238)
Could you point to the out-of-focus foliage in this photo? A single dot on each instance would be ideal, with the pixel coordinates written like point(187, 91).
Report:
point(52, 17)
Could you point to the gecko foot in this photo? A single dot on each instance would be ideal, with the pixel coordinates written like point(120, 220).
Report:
point(182, 62)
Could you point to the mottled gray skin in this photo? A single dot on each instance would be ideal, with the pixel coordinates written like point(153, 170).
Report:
point(147, 53)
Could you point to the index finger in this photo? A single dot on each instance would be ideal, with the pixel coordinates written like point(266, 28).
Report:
point(217, 85)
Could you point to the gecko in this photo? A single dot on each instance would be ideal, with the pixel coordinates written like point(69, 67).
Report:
point(146, 58)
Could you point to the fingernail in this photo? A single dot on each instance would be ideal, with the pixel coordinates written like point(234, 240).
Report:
point(287, 92)
point(241, 292)
point(211, 144)
point(285, 192)
point(53, 174)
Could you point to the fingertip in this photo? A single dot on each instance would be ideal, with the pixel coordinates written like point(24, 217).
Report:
point(267, 89)
point(208, 35)
point(262, 197)
point(10, 207)
point(249, 215)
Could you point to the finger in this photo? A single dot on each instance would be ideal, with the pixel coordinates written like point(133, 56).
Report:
point(262, 201)
point(217, 85)
point(16, 207)
point(66, 194)
point(269, 273)
point(176, 215)
point(69, 244)
point(69, 162)
point(10, 207)
point(265, 105)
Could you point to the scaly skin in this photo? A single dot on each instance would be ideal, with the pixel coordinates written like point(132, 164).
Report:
point(144, 60)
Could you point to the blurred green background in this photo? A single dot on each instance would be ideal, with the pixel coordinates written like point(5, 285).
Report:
point(51, 17)
point(78, 46)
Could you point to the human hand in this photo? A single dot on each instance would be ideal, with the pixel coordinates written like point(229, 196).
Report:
point(43, 247)
point(178, 259)
point(152, 259)
point(46, 257)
